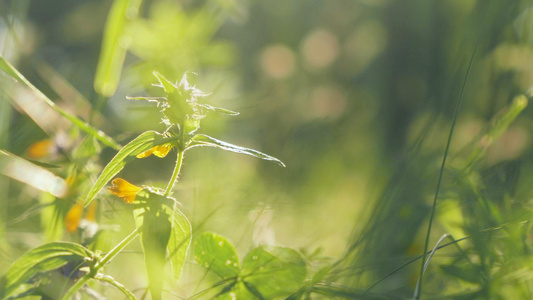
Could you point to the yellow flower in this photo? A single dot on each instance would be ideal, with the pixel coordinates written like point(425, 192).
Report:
point(40, 149)
point(124, 190)
point(73, 217)
point(159, 151)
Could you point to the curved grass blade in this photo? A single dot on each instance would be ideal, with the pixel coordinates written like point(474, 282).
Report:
point(100, 135)
point(31, 174)
point(202, 140)
point(441, 173)
point(41, 259)
point(113, 51)
point(142, 143)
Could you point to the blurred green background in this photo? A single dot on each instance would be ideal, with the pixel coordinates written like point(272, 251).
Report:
point(355, 97)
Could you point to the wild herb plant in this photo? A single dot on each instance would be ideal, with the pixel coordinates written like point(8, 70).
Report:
point(476, 245)
point(164, 231)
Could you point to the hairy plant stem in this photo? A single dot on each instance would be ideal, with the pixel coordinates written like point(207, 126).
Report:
point(99, 265)
point(175, 174)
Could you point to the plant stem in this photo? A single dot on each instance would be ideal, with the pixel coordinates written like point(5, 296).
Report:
point(418, 289)
point(109, 256)
point(175, 174)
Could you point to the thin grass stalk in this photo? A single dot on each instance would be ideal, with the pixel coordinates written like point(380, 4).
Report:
point(418, 290)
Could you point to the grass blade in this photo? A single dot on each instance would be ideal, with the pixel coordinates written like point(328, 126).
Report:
point(441, 173)
point(113, 49)
point(33, 175)
point(15, 74)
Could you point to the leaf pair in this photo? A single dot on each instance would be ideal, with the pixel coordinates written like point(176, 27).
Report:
point(148, 140)
point(266, 272)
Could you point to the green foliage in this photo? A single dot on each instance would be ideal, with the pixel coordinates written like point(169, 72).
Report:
point(179, 240)
point(267, 272)
point(216, 254)
point(155, 225)
point(273, 271)
point(202, 140)
point(100, 135)
point(113, 46)
point(44, 258)
point(354, 101)
point(142, 143)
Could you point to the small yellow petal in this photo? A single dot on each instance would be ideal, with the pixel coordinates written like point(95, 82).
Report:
point(73, 217)
point(146, 153)
point(162, 150)
point(124, 190)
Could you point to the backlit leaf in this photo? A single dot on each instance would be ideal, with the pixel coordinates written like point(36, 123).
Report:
point(180, 239)
point(142, 143)
point(273, 271)
point(154, 222)
point(216, 254)
point(202, 140)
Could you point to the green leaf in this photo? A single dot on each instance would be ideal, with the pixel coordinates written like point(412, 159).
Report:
point(41, 259)
point(237, 290)
point(142, 143)
point(113, 49)
point(273, 271)
point(218, 109)
point(202, 140)
point(100, 135)
point(168, 86)
point(154, 222)
point(118, 285)
point(180, 239)
point(217, 254)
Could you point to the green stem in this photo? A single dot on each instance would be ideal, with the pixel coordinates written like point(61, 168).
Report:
point(111, 254)
point(94, 271)
point(176, 173)
point(418, 289)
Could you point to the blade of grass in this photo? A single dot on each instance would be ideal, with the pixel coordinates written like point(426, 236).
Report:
point(453, 242)
point(15, 74)
point(24, 171)
point(113, 49)
point(418, 290)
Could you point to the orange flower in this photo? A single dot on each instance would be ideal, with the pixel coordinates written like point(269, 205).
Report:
point(73, 217)
point(159, 151)
point(40, 149)
point(124, 190)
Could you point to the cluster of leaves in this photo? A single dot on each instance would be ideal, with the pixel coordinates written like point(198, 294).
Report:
point(164, 230)
point(267, 272)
